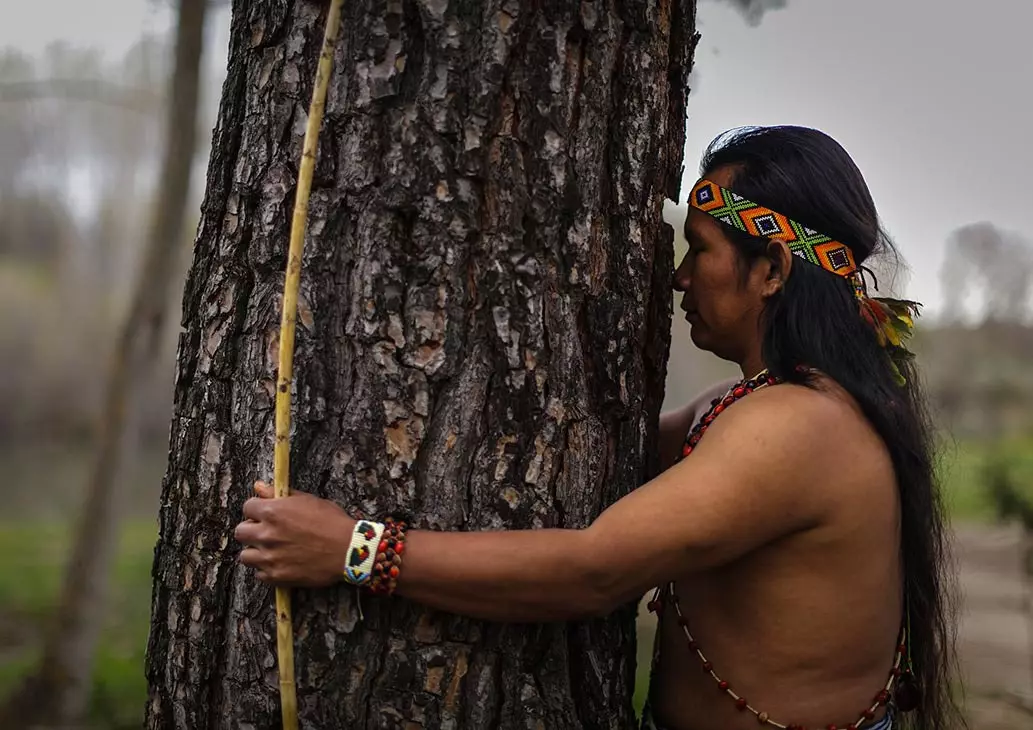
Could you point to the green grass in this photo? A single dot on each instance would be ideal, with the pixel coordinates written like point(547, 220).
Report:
point(961, 469)
point(965, 498)
point(31, 568)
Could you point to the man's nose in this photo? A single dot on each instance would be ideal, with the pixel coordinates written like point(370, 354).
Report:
point(681, 279)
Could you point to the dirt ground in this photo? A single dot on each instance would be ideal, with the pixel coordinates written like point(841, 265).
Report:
point(995, 644)
point(995, 637)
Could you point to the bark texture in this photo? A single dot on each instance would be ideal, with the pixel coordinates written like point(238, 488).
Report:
point(483, 330)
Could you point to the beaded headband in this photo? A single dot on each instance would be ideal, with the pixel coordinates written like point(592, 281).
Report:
point(892, 319)
point(734, 210)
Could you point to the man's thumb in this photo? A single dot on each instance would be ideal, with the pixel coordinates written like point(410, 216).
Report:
point(263, 490)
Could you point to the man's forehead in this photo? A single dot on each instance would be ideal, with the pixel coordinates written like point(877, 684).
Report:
point(696, 221)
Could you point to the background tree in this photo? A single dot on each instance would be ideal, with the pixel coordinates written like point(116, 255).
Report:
point(484, 324)
point(59, 692)
point(754, 9)
point(996, 264)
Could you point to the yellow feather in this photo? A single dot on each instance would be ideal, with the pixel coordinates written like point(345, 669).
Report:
point(891, 334)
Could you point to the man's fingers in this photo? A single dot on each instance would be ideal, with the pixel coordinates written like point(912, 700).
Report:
point(272, 578)
point(264, 490)
point(251, 557)
point(256, 509)
point(247, 533)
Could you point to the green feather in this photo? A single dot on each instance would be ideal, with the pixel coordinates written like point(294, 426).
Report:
point(896, 329)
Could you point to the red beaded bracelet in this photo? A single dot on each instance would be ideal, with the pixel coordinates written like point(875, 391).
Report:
point(388, 564)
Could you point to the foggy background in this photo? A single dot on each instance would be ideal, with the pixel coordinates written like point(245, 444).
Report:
point(931, 98)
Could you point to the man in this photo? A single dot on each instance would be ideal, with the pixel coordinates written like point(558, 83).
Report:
point(794, 540)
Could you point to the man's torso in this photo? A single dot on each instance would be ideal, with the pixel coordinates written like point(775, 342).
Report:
point(806, 627)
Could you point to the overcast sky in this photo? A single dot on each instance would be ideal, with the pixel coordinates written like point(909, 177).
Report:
point(931, 97)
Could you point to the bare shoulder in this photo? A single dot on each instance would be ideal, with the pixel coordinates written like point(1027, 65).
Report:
point(802, 409)
point(799, 430)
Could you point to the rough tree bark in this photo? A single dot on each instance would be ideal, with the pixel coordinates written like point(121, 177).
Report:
point(484, 325)
point(58, 692)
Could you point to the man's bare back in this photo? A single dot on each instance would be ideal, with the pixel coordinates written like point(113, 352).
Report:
point(804, 627)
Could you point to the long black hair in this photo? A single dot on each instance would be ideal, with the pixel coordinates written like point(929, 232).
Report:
point(815, 321)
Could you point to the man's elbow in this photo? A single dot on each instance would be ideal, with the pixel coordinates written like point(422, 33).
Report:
point(604, 587)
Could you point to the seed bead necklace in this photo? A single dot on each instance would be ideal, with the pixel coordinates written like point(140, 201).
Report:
point(882, 698)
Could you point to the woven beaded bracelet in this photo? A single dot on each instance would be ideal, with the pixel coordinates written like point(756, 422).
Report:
point(387, 564)
point(362, 552)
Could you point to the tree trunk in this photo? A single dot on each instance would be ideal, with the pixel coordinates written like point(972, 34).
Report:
point(484, 321)
point(58, 693)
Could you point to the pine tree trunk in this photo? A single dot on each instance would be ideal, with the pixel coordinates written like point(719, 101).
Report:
point(483, 331)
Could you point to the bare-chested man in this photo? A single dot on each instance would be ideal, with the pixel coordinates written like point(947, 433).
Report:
point(794, 539)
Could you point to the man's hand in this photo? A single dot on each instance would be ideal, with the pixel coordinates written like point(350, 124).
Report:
point(299, 540)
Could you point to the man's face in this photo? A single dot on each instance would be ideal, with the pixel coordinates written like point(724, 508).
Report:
point(723, 294)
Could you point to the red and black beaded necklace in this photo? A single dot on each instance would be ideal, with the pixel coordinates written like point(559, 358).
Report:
point(906, 696)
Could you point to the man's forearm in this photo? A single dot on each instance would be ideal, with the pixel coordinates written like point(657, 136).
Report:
point(476, 574)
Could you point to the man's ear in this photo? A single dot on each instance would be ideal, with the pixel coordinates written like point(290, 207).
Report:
point(780, 260)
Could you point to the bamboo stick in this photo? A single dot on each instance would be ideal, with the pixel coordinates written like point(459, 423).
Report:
point(288, 319)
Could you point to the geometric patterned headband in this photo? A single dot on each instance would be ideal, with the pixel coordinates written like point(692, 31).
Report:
point(734, 210)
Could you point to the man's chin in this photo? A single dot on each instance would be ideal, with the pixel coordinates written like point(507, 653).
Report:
point(702, 339)
point(698, 335)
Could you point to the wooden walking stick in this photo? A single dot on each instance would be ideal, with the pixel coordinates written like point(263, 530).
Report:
point(281, 453)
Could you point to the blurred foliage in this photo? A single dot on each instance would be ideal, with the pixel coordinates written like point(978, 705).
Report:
point(31, 561)
point(77, 176)
point(987, 481)
point(1007, 477)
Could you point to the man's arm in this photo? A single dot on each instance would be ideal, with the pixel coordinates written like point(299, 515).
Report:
point(745, 485)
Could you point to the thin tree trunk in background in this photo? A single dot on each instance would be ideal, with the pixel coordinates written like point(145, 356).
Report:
point(484, 322)
point(58, 694)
